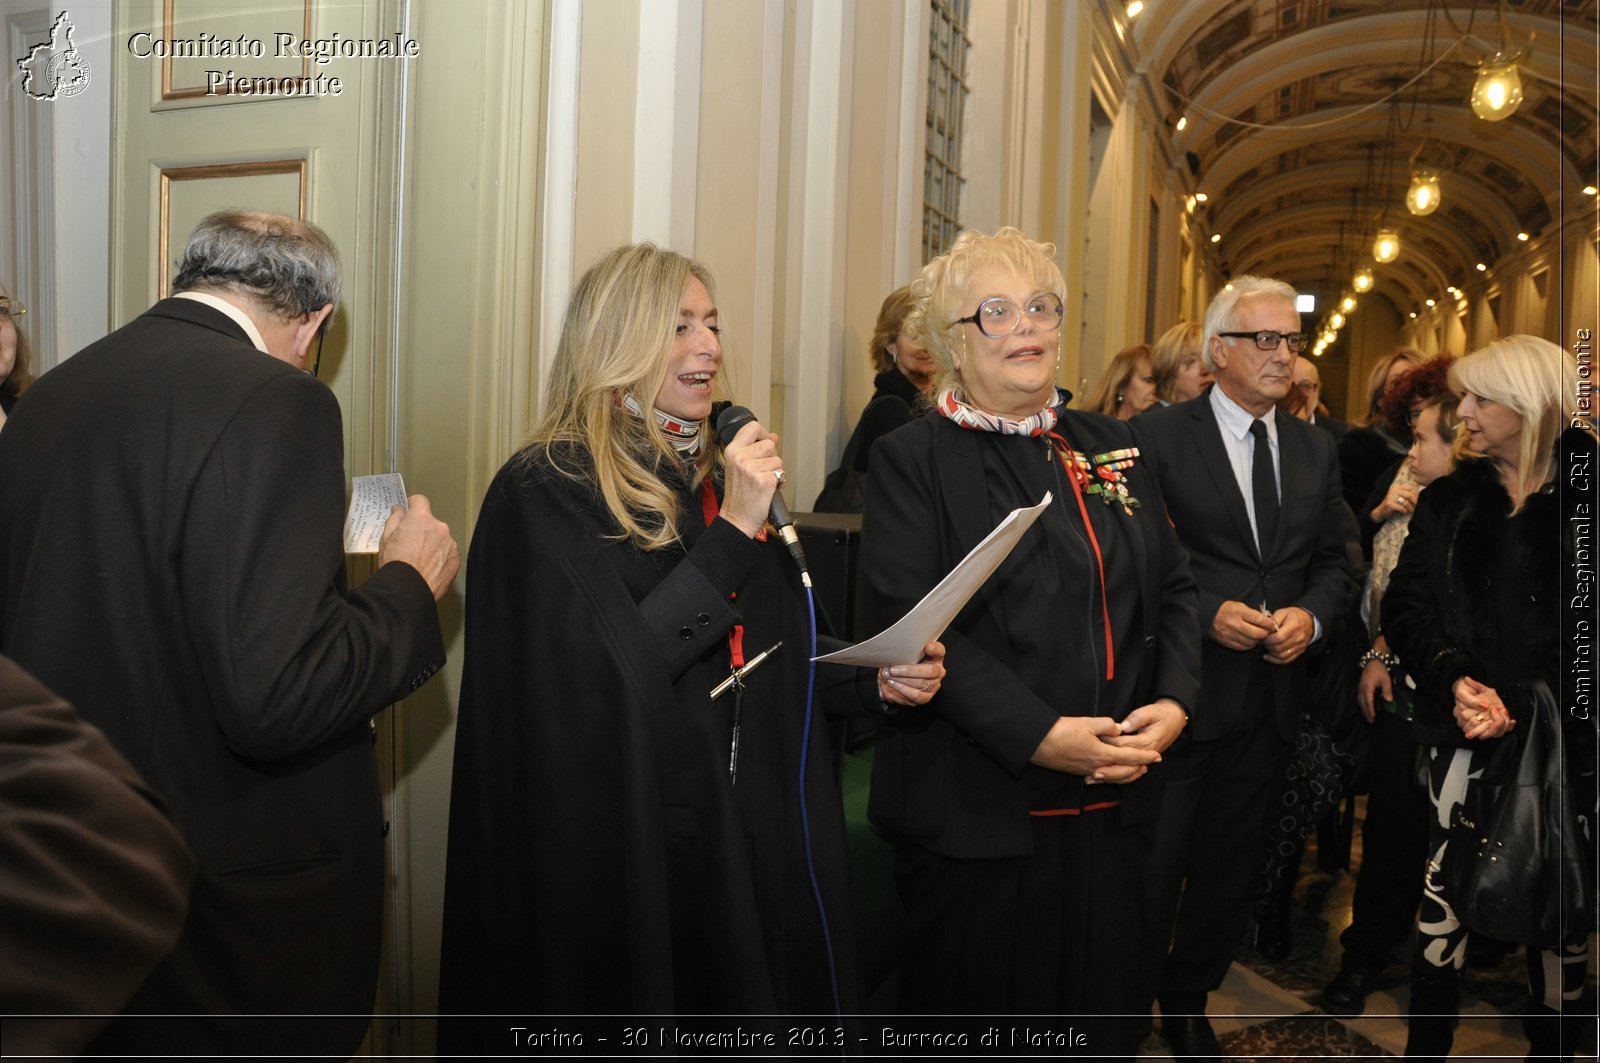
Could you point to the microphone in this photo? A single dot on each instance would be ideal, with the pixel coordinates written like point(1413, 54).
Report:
point(729, 421)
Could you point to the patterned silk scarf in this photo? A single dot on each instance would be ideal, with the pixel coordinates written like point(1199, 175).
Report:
point(952, 404)
point(684, 437)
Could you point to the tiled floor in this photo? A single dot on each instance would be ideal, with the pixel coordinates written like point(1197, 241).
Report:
point(1268, 1010)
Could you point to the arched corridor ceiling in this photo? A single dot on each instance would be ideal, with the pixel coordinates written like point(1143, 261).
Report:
point(1301, 140)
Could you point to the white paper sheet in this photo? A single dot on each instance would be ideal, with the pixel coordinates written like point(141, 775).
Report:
point(903, 642)
point(371, 499)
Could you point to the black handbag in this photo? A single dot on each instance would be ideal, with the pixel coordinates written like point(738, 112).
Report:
point(1515, 871)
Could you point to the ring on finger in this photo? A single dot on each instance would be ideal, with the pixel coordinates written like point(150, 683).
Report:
point(782, 479)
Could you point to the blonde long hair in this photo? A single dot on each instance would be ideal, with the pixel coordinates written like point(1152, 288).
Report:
point(941, 286)
point(616, 339)
point(1538, 381)
point(1167, 354)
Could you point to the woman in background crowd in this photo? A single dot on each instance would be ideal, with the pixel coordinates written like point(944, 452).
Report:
point(1371, 446)
point(1017, 835)
point(623, 838)
point(15, 369)
point(1127, 388)
point(1180, 373)
point(1480, 607)
point(1394, 833)
point(904, 373)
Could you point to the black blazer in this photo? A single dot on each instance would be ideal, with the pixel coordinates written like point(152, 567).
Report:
point(1306, 567)
point(171, 511)
point(950, 775)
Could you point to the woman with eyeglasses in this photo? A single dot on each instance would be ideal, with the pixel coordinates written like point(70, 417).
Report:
point(1017, 801)
point(645, 817)
point(15, 371)
point(1489, 608)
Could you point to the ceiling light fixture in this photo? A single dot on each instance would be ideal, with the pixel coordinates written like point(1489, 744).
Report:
point(1348, 304)
point(1422, 198)
point(1362, 281)
point(1497, 93)
point(1386, 247)
point(1183, 120)
point(1134, 7)
point(1482, 268)
point(1216, 238)
point(1523, 237)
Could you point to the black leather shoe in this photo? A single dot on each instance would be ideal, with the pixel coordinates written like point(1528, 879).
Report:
point(1347, 994)
point(1190, 1037)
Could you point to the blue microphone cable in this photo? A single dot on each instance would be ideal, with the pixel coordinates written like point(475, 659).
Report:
point(805, 817)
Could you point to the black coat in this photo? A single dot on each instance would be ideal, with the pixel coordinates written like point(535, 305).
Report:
point(1306, 567)
point(600, 859)
point(171, 515)
point(955, 778)
point(1508, 600)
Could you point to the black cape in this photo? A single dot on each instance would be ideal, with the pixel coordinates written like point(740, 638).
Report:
point(600, 861)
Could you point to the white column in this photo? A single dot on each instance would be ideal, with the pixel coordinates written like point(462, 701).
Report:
point(813, 356)
point(667, 123)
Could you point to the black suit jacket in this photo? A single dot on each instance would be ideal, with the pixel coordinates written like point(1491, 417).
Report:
point(950, 776)
point(1306, 566)
point(171, 509)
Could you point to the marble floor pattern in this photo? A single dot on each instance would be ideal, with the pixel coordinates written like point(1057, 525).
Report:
point(1269, 1010)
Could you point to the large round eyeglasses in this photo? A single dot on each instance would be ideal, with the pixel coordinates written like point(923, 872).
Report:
point(1000, 317)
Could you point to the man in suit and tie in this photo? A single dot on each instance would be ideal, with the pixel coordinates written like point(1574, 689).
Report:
point(1256, 502)
point(171, 562)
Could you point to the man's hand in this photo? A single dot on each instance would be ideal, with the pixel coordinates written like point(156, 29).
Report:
point(1241, 627)
point(415, 536)
point(1077, 745)
point(1294, 630)
point(1154, 726)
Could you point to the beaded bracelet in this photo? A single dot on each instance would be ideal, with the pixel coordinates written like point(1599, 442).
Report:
point(1388, 660)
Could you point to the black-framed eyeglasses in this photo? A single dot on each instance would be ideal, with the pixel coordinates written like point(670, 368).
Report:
point(11, 310)
point(1267, 340)
point(316, 359)
point(1000, 317)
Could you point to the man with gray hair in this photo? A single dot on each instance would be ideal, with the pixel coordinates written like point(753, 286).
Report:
point(171, 561)
point(1256, 502)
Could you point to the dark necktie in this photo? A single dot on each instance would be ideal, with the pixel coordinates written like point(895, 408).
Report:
point(1264, 486)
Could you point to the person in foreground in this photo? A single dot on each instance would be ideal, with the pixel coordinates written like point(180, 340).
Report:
point(1255, 497)
point(1488, 594)
point(622, 841)
point(1019, 802)
point(94, 875)
point(171, 515)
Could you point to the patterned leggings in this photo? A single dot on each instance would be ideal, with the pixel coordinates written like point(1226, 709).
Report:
point(1554, 975)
